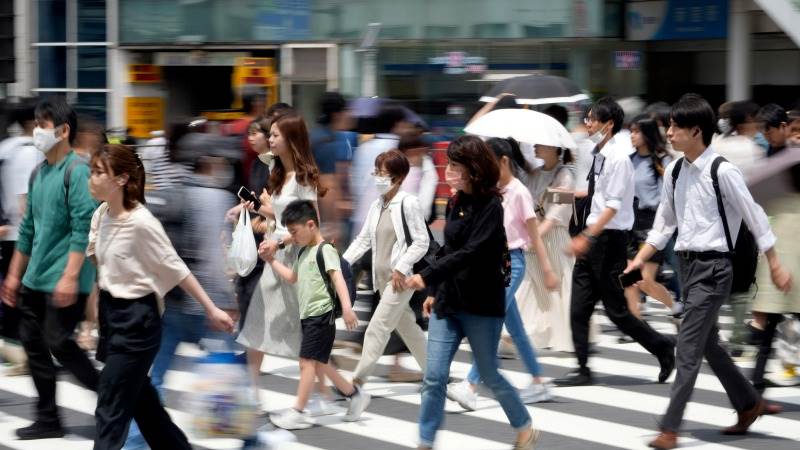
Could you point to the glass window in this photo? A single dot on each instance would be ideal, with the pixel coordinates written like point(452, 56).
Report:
point(52, 20)
point(52, 67)
point(91, 20)
point(92, 104)
point(91, 67)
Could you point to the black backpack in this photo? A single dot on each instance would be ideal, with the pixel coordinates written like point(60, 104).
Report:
point(347, 274)
point(744, 250)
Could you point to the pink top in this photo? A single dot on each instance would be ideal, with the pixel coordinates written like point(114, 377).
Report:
point(517, 210)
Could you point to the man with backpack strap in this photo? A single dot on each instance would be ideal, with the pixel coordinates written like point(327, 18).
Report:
point(49, 280)
point(707, 213)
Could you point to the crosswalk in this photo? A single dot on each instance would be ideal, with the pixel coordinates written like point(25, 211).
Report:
point(619, 412)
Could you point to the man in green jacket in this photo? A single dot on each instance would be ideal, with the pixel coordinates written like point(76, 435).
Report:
point(48, 278)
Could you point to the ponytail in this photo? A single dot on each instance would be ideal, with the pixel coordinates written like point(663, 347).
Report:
point(509, 148)
point(566, 156)
point(123, 160)
point(516, 155)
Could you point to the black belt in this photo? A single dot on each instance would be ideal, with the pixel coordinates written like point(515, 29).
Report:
point(703, 256)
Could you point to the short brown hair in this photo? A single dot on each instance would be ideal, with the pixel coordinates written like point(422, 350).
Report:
point(395, 163)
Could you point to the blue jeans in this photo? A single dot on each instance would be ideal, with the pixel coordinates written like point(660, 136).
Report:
point(444, 337)
point(177, 327)
point(513, 322)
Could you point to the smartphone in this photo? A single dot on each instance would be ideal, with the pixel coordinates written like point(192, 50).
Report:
point(628, 279)
point(248, 196)
point(559, 197)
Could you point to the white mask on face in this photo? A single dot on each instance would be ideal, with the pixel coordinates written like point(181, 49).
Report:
point(597, 137)
point(724, 126)
point(383, 184)
point(45, 139)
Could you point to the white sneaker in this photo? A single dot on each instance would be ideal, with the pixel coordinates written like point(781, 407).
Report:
point(318, 407)
point(290, 419)
point(358, 403)
point(463, 394)
point(535, 393)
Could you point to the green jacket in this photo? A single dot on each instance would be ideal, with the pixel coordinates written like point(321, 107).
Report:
point(50, 229)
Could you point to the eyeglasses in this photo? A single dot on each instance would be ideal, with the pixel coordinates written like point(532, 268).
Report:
point(376, 173)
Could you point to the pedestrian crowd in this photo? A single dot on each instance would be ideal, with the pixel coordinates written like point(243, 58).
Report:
point(130, 245)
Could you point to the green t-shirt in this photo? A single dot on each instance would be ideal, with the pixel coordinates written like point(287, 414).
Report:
point(311, 291)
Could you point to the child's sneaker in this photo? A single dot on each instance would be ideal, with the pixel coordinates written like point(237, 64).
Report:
point(358, 403)
point(290, 419)
point(318, 407)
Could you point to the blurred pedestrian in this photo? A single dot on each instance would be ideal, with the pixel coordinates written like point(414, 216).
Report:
point(253, 104)
point(776, 126)
point(601, 248)
point(394, 218)
point(469, 278)
point(689, 204)
point(131, 289)
point(794, 127)
point(90, 137)
point(521, 228)
point(649, 162)
point(331, 147)
point(422, 179)
point(48, 279)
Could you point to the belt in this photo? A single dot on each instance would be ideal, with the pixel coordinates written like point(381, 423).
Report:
point(703, 256)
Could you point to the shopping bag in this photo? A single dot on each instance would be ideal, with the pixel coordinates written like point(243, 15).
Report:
point(243, 254)
point(222, 401)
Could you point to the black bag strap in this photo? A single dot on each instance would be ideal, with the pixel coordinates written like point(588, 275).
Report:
point(405, 224)
point(676, 171)
point(325, 276)
point(715, 182)
point(67, 175)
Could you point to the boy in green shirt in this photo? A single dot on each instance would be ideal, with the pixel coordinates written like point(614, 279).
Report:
point(316, 308)
point(51, 297)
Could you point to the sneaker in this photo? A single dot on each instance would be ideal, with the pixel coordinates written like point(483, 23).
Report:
point(575, 378)
point(535, 393)
point(677, 309)
point(358, 403)
point(463, 394)
point(318, 407)
point(290, 419)
point(40, 430)
point(530, 444)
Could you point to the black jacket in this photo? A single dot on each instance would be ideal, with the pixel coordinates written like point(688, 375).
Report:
point(468, 275)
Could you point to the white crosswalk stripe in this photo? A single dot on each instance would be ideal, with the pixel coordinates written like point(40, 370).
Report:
point(619, 412)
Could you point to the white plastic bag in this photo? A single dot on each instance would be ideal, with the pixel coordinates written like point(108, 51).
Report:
point(243, 254)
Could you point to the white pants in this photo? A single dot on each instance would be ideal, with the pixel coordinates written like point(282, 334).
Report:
point(392, 313)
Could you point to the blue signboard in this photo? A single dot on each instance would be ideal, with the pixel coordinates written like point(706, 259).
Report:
point(676, 19)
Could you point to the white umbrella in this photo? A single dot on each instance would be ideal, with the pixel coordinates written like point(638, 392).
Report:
point(525, 126)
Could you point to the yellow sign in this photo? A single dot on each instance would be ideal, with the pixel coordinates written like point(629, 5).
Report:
point(144, 73)
point(254, 72)
point(144, 115)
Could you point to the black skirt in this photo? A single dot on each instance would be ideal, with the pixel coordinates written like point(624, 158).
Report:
point(127, 326)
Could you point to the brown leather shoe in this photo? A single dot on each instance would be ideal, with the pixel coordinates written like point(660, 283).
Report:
point(746, 418)
point(667, 440)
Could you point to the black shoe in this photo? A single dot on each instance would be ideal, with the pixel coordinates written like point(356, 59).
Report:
point(667, 362)
point(576, 378)
point(40, 430)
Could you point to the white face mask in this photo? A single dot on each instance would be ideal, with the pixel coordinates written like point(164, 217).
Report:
point(383, 185)
point(266, 158)
point(598, 137)
point(45, 139)
point(724, 126)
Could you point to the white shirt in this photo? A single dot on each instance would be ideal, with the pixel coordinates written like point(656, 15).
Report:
point(613, 183)
point(19, 158)
point(697, 220)
point(291, 191)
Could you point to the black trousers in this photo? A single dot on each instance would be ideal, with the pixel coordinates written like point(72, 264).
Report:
point(707, 284)
point(130, 335)
point(45, 329)
point(765, 350)
point(596, 278)
point(10, 316)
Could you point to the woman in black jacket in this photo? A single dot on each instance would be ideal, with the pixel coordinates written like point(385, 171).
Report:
point(469, 280)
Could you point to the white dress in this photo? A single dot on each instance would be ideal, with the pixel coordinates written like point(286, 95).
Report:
point(545, 314)
point(273, 317)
